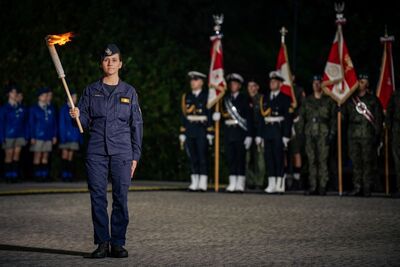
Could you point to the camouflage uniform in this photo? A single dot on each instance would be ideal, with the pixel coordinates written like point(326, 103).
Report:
point(363, 139)
point(317, 122)
point(255, 164)
point(393, 124)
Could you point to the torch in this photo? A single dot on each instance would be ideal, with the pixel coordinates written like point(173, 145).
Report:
point(61, 39)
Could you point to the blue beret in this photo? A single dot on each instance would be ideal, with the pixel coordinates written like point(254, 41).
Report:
point(42, 90)
point(109, 50)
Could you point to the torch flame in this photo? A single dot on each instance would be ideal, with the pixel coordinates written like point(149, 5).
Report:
point(59, 39)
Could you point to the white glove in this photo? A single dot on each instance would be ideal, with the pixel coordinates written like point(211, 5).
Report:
point(210, 139)
point(285, 141)
point(216, 116)
point(259, 141)
point(182, 138)
point(247, 142)
point(379, 148)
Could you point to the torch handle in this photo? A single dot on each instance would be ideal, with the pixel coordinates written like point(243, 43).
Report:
point(71, 102)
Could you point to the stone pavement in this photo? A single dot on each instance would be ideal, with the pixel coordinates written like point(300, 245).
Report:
point(178, 228)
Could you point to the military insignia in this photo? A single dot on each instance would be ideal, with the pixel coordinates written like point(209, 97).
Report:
point(125, 100)
point(108, 52)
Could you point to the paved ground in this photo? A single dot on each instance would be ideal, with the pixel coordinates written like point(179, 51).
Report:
point(181, 228)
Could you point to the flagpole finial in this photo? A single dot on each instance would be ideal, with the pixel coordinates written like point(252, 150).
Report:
point(218, 20)
point(386, 37)
point(283, 32)
point(339, 8)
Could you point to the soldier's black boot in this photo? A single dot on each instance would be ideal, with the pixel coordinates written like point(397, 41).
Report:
point(118, 251)
point(367, 192)
point(102, 251)
point(356, 192)
point(311, 192)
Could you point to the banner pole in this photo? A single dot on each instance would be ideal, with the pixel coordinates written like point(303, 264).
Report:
point(216, 163)
point(339, 139)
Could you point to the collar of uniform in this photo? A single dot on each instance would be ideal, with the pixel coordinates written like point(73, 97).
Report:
point(235, 95)
point(99, 86)
point(196, 93)
point(274, 94)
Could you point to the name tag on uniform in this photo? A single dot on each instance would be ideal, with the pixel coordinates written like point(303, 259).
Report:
point(125, 100)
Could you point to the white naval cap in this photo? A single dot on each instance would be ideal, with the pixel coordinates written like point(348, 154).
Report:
point(195, 74)
point(276, 75)
point(234, 77)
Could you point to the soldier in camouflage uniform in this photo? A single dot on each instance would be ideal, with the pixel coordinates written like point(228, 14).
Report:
point(255, 165)
point(363, 114)
point(393, 124)
point(317, 124)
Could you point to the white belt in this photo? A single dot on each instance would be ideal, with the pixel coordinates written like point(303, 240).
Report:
point(231, 122)
point(273, 119)
point(196, 118)
point(296, 120)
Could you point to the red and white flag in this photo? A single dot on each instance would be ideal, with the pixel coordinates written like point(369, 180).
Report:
point(216, 80)
point(282, 65)
point(386, 79)
point(340, 78)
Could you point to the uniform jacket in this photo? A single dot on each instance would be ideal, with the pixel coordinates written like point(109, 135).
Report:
point(393, 114)
point(67, 130)
point(42, 123)
point(278, 107)
point(114, 120)
point(317, 117)
point(357, 125)
point(14, 121)
point(243, 106)
point(197, 106)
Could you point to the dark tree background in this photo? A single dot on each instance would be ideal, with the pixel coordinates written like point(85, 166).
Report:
point(161, 40)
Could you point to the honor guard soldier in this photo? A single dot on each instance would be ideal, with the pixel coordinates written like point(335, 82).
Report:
point(275, 122)
point(14, 132)
point(317, 124)
point(43, 134)
point(363, 114)
point(196, 132)
point(70, 139)
point(238, 130)
point(109, 110)
point(393, 124)
point(255, 164)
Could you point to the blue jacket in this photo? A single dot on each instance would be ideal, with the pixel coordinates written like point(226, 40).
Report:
point(42, 123)
point(14, 122)
point(114, 120)
point(67, 130)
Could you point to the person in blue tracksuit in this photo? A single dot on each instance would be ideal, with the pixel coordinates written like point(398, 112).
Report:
point(69, 139)
point(13, 120)
point(109, 110)
point(43, 134)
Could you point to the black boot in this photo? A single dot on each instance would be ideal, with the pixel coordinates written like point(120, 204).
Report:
point(102, 251)
point(322, 191)
point(311, 192)
point(118, 251)
point(7, 172)
point(37, 172)
point(356, 192)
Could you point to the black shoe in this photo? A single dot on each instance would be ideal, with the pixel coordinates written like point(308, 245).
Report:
point(118, 251)
point(311, 193)
point(367, 193)
point(355, 193)
point(102, 251)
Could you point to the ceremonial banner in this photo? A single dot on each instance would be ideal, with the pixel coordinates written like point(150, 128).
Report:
point(340, 78)
point(386, 85)
point(283, 67)
point(217, 84)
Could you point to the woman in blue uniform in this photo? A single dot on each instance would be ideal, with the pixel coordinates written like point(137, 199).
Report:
point(13, 120)
point(70, 139)
point(110, 111)
point(43, 134)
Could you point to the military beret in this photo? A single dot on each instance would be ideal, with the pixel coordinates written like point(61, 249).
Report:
point(109, 50)
point(42, 90)
point(253, 80)
point(317, 78)
point(363, 76)
point(234, 77)
point(196, 75)
point(276, 75)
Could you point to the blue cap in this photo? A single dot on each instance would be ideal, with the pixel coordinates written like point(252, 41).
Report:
point(42, 90)
point(109, 50)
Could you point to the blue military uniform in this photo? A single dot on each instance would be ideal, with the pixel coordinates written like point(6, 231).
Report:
point(14, 126)
point(114, 121)
point(196, 125)
point(275, 122)
point(69, 138)
point(238, 121)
